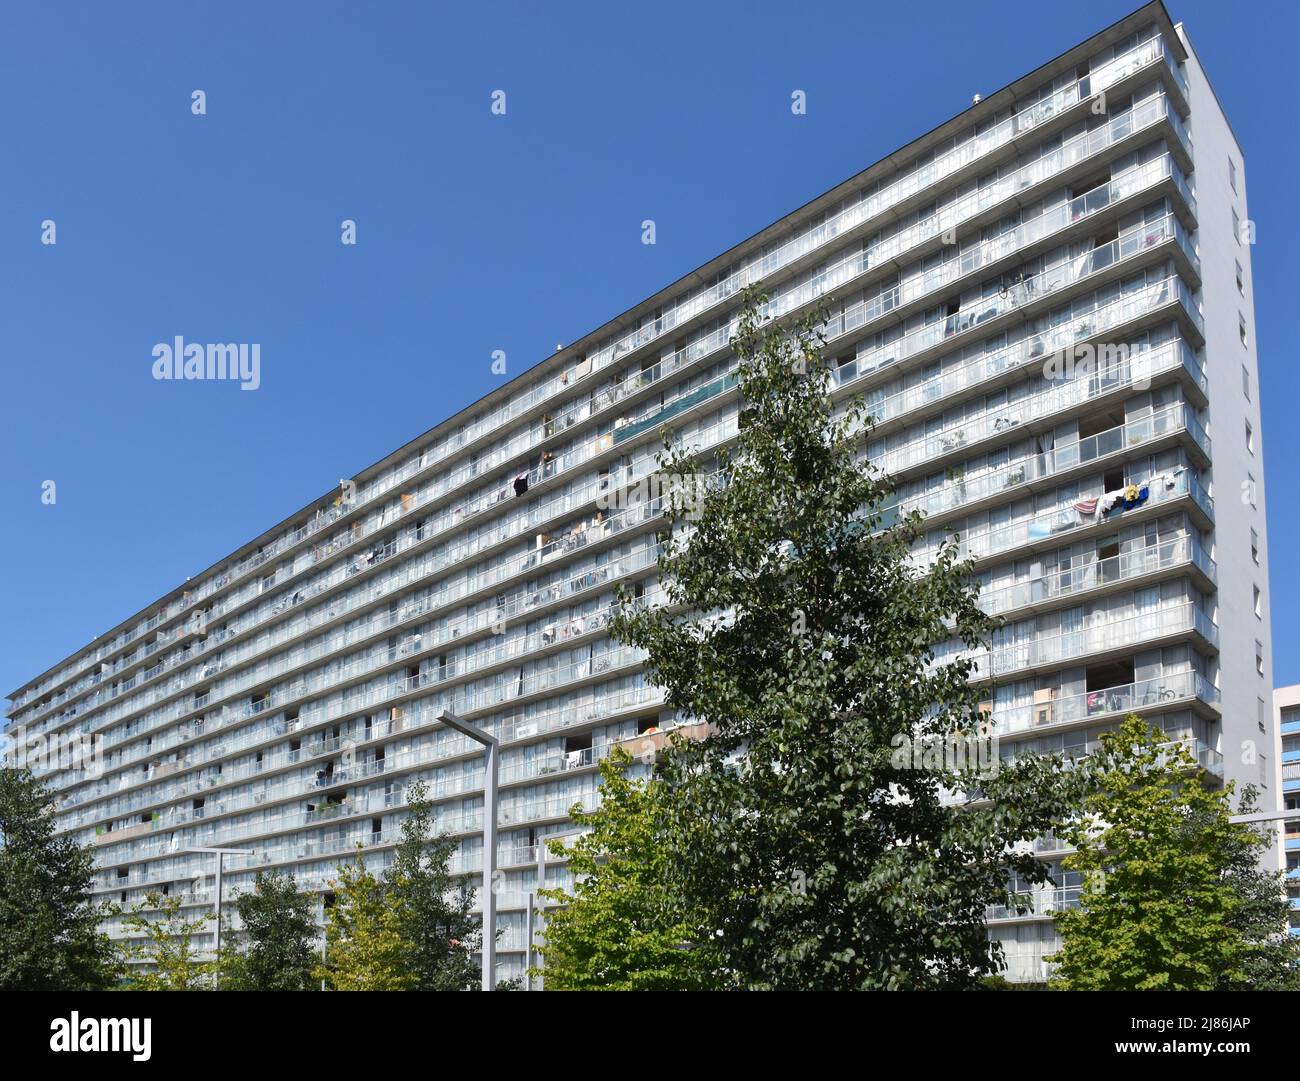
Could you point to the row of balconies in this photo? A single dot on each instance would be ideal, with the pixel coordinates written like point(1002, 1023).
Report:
point(404, 689)
point(1158, 168)
point(1014, 127)
point(409, 720)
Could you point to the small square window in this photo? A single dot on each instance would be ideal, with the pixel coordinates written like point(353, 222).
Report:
point(1257, 601)
point(1259, 657)
point(1241, 279)
point(1250, 438)
point(1254, 547)
point(1241, 327)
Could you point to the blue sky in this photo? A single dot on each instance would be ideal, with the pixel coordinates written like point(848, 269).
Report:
point(475, 233)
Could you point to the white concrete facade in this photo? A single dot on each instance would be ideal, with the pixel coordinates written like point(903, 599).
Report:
point(283, 700)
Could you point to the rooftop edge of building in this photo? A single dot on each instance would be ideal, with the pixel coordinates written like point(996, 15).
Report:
point(880, 170)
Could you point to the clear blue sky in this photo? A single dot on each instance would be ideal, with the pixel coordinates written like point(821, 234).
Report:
point(475, 233)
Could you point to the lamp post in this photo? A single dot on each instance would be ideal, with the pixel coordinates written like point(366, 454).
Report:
point(221, 854)
point(324, 940)
point(533, 928)
point(491, 761)
point(1264, 816)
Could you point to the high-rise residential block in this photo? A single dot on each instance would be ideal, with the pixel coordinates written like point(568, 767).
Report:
point(1047, 303)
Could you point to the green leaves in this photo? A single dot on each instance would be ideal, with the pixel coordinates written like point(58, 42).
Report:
point(1174, 897)
point(278, 948)
point(622, 928)
point(49, 922)
point(803, 854)
point(161, 937)
point(365, 949)
point(412, 929)
point(437, 925)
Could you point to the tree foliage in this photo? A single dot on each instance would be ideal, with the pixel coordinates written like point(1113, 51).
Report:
point(50, 937)
point(277, 950)
point(364, 947)
point(1174, 898)
point(1271, 961)
point(437, 927)
point(621, 929)
point(161, 937)
point(818, 856)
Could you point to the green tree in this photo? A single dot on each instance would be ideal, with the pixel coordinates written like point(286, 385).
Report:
point(437, 927)
point(822, 858)
point(621, 928)
point(161, 936)
point(1172, 896)
point(1272, 958)
point(50, 939)
point(364, 947)
point(277, 950)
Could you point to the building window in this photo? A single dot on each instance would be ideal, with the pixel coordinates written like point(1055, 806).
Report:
point(1254, 547)
point(1241, 327)
point(1250, 489)
point(1259, 657)
point(1256, 601)
point(1250, 438)
point(1236, 227)
point(1261, 711)
point(1245, 381)
point(1241, 279)
point(1232, 174)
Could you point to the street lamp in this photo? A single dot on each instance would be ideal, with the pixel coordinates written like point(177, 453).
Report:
point(491, 761)
point(221, 854)
point(540, 885)
point(1262, 816)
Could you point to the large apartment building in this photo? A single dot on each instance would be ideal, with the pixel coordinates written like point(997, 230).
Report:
point(1046, 302)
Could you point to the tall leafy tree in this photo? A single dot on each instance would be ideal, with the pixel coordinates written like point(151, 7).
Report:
point(821, 856)
point(50, 939)
point(278, 948)
point(437, 927)
point(621, 928)
point(1173, 897)
point(161, 936)
point(1272, 958)
point(365, 950)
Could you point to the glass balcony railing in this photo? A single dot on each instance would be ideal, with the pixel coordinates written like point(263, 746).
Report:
point(1029, 290)
point(521, 603)
point(1103, 636)
point(966, 490)
point(601, 704)
point(466, 700)
point(1090, 576)
point(1038, 902)
point(1053, 710)
point(1092, 262)
point(710, 436)
point(818, 236)
point(294, 818)
point(1131, 370)
point(1035, 348)
point(541, 514)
